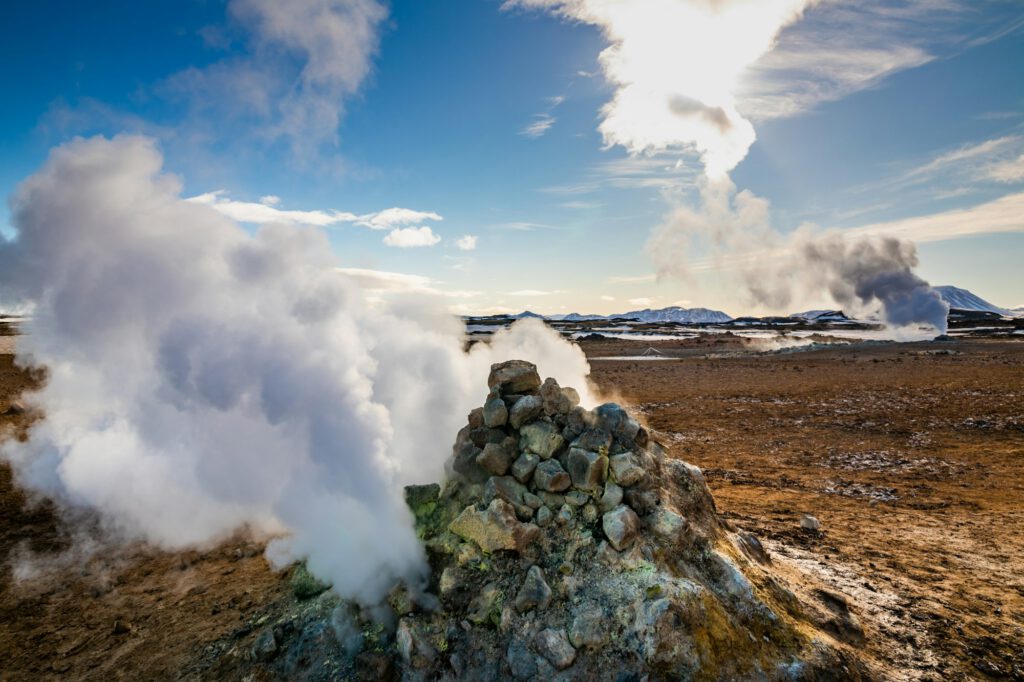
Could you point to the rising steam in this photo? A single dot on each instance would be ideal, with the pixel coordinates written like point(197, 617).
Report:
point(202, 378)
point(675, 66)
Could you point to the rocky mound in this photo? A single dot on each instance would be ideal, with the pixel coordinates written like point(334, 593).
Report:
point(566, 545)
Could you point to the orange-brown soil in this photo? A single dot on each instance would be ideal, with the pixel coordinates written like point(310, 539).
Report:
point(913, 462)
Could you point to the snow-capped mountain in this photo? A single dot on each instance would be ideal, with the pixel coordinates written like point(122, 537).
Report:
point(677, 314)
point(670, 314)
point(822, 316)
point(965, 300)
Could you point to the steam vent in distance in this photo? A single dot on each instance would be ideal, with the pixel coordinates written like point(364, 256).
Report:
point(566, 545)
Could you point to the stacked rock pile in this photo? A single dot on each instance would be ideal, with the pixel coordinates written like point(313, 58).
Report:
point(567, 545)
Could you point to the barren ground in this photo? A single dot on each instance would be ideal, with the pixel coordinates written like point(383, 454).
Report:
point(912, 459)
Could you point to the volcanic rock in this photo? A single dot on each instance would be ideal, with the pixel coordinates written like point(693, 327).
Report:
point(620, 527)
point(495, 459)
point(535, 592)
point(551, 477)
point(495, 413)
point(523, 467)
point(611, 498)
point(494, 528)
point(626, 470)
point(514, 376)
point(542, 438)
point(555, 647)
point(587, 469)
point(524, 410)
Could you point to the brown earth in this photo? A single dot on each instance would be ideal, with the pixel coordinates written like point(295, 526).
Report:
point(911, 458)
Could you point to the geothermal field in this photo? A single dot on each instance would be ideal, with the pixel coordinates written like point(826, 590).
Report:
point(532, 340)
point(844, 511)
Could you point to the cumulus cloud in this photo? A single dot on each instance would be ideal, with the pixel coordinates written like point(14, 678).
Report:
point(466, 242)
point(411, 237)
point(252, 387)
point(305, 60)
point(642, 301)
point(266, 211)
point(675, 65)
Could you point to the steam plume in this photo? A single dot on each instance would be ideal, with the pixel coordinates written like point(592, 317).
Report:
point(202, 378)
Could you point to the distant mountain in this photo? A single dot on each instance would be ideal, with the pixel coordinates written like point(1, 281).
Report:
point(1018, 312)
point(965, 300)
point(677, 314)
point(670, 314)
point(822, 316)
point(527, 313)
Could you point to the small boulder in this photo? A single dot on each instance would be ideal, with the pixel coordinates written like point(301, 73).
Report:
point(520, 661)
point(551, 477)
point(504, 488)
point(535, 592)
point(485, 607)
point(667, 525)
point(523, 467)
point(476, 418)
point(611, 498)
point(495, 413)
point(555, 401)
point(588, 630)
point(544, 516)
point(413, 644)
point(554, 646)
point(625, 469)
point(620, 526)
point(494, 528)
point(495, 459)
point(542, 438)
point(808, 522)
point(525, 409)
point(265, 647)
point(594, 440)
point(587, 469)
point(514, 376)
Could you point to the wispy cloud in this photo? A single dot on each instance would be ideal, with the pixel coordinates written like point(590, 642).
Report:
point(266, 211)
point(642, 301)
point(632, 279)
point(383, 281)
point(543, 121)
point(524, 226)
point(1005, 214)
point(838, 49)
point(536, 292)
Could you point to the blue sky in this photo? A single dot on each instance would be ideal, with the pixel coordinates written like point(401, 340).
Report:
point(875, 119)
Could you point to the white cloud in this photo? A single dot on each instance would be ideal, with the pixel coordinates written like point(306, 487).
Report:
point(540, 125)
point(1005, 214)
point(305, 59)
point(252, 212)
point(466, 242)
point(396, 217)
point(411, 237)
point(607, 298)
point(642, 301)
point(1008, 171)
point(383, 281)
point(266, 211)
point(840, 48)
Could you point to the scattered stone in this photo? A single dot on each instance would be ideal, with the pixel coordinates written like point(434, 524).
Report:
point(611, 498)
point(808, 522)
point(532, 501)
point(526, 409)
point(449, 582)
point(542, 438)
point(504, 488)
point(485, 607)
point(122, 628)
point(554, 646)
point(595, 440)
point(590, 514)
point(265, 646)
point(494, 459)
point(414, 645)
point(373, 666)
point(521, 662)
point(588, 630)
point(494, 528)
point(544, 516)
point(514, 376)
point(535, 592)
point(576, 498)
point(495, 414)
point(587, 469)
point(625, 469)
point(551, 477)
point(523, 467)
point(565, 515)
point(620, 526)
point(642, 501)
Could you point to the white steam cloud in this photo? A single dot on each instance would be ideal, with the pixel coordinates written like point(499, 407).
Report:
point(202, 378)
point(676, 66)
